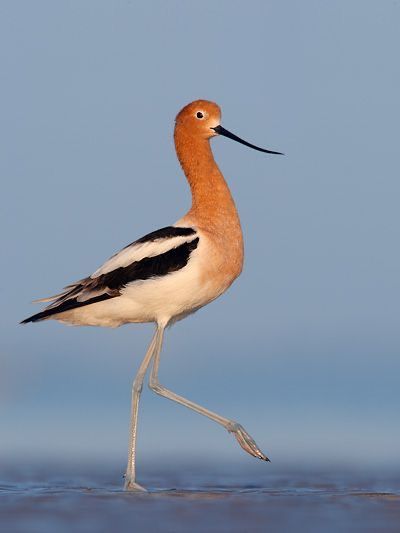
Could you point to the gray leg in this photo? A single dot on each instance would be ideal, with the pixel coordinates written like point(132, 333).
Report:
point(130, 476)
point(243, 438)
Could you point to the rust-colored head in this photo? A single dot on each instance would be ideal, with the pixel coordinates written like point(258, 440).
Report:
point(199, 118)
point(202, 119)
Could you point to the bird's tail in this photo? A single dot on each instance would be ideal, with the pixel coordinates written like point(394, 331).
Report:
point(40, 316)
point(64, 305)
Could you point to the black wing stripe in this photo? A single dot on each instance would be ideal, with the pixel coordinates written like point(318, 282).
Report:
point(113, 282)
point(164, 233)
point(148, 267)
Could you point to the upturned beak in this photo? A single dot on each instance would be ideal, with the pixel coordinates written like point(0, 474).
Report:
point(222, 131)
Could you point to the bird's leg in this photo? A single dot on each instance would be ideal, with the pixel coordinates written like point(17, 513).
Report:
point(243, 438)
point(130, 476)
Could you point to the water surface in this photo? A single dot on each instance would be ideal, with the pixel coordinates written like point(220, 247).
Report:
point(59, 498)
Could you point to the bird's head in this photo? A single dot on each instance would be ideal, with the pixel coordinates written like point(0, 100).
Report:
point(202, 119)
point(199, 118)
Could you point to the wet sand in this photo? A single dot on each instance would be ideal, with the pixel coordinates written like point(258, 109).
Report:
point(197, 499)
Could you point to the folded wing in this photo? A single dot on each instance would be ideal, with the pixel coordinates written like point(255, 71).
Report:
point(157, 254)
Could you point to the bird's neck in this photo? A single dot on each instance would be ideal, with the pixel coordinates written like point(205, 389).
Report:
point(212, 204)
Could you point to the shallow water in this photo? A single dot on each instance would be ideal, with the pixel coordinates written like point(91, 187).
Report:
point(63, 499)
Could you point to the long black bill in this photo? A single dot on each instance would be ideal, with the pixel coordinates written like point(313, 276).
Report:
point(222, 131)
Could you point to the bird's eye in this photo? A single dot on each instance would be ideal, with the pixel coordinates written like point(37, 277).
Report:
point(199, 115)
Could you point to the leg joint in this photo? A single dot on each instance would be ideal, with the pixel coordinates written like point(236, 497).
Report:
point(156, 387)
point(233, 426)
point(137, 386)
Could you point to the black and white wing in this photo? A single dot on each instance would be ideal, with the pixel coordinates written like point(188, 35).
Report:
point(155, 255)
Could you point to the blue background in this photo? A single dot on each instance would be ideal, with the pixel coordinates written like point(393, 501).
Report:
point(304, 348)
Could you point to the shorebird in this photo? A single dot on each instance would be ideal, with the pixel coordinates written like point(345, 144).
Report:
point(171, 272)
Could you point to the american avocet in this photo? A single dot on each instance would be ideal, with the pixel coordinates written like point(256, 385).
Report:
point(171, 272)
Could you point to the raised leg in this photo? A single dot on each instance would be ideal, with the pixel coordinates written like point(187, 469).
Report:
point(243, 438)
point(130, 476)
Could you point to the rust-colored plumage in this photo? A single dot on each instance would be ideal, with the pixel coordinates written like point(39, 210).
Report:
point(213, 209)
